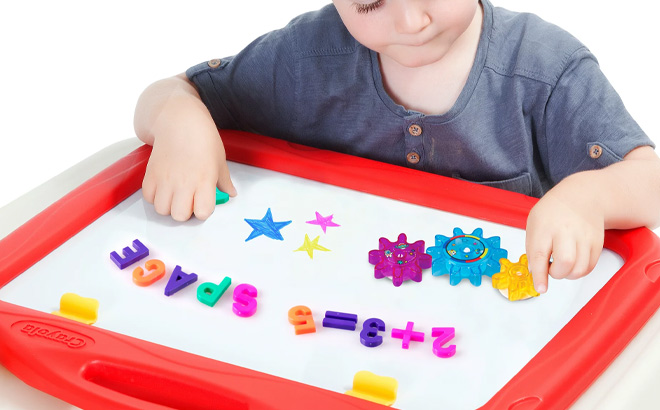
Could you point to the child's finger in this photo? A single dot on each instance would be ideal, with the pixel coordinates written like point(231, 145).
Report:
point(224, 180)
point(182, 204)
point(538, 259)
point(582, 261)
point(564, 252)
point(596, 250)
point(163, 200)
point(148, 190)
point(538, 265)
point(204, 201)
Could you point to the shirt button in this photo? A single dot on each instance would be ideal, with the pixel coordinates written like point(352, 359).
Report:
point(413, 157)
point(595, 151)
point(415, 130)
point(215, 63)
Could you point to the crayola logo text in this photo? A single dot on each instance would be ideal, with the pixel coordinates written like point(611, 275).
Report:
point(53, 333)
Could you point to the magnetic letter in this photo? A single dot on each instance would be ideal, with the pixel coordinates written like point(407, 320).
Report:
point(130, 256)
point(156, 272)
point(209, 293)
point(179, 280)
point(244, 296)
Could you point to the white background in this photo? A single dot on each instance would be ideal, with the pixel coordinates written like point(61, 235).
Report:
point(72, 70)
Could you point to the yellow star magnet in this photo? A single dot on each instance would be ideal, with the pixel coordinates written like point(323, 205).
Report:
point(309, 246)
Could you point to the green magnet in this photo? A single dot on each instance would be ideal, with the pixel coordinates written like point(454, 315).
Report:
point(220, 197)
point(209, 293)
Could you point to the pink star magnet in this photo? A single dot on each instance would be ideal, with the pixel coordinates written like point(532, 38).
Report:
point(399, 260)
point(323, 221)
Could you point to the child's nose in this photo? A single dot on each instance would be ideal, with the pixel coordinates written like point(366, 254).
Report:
point(411, 17)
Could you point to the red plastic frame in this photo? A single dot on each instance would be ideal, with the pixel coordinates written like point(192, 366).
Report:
point(95, 368)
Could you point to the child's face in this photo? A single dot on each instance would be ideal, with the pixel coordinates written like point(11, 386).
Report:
point(413, 33)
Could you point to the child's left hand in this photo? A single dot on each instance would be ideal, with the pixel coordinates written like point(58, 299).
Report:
point(568, 226)
point(569, 222)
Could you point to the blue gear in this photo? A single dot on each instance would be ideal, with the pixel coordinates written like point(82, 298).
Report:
point(466, 256)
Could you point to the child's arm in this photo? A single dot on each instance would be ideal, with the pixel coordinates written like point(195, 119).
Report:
point(188, 158)
point(568, 223)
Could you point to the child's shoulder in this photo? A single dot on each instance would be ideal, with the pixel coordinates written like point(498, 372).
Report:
point(321, 32)
point(524, 44)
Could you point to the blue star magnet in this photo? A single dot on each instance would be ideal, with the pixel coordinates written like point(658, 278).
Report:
point(266, 226)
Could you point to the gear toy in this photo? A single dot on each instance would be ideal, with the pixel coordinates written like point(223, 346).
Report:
point(464, 256)
point(514, 280)
point(399, 260)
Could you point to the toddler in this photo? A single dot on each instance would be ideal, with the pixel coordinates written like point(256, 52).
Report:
point(455, 87)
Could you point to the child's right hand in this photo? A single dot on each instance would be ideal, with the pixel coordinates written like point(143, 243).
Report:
point(183, 172)
point(188, 159)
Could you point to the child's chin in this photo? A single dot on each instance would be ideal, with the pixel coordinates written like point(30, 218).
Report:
point(416, 59)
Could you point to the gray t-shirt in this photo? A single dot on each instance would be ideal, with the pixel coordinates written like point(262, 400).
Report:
point(536, 106)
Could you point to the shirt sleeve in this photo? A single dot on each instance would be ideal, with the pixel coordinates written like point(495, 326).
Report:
point(254, 90)
point(587, 124)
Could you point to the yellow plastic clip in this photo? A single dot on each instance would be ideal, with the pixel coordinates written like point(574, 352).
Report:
point(514, 280)
point(379, 389)
point(78, 308)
